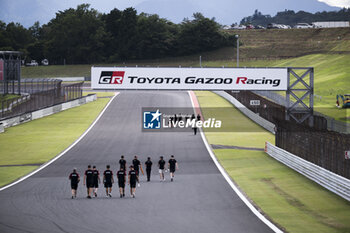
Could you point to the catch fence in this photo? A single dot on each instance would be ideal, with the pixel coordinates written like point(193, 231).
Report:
point(322, 147)
point(37, 94)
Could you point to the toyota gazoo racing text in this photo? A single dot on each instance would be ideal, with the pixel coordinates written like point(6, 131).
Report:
point(116, 77)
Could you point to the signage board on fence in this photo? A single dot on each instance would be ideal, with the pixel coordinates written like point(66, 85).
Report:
point(347, 154)
point(254, 102)
point(189, 78)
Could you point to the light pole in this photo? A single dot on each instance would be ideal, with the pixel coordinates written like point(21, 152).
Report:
point(237, 39)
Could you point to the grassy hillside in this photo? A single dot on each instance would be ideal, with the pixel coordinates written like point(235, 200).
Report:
point(255, 45)
point(282, 43)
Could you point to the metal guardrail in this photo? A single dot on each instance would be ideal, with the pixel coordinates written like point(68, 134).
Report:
point(329, 180)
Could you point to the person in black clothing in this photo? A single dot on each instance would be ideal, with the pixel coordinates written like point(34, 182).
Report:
point(121, 182)
point(96, 175)
point(193, 117)
point(161, 165)
point(148, 164)
point(198, 117)
point(133, 178)
point(108, 180)
point(74, 180)
point(171, 121)
point(195, 130)
point(89, 181)
point(172, 164)
point(136, 163)
point(122, 162)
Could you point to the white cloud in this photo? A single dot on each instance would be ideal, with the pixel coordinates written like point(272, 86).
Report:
point(337, 3)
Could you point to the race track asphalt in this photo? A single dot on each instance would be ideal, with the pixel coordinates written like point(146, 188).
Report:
point(199, 200)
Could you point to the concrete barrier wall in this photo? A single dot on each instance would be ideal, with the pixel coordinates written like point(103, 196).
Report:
point(45, 112)
point(329, 180)
point(251, 115)
point(2, 129)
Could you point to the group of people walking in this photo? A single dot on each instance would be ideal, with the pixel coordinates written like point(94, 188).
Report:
point(92, 176)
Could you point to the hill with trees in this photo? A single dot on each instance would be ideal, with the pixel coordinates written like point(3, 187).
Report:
point(290, 17)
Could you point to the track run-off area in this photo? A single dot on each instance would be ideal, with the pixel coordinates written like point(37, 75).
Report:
point(199, 200)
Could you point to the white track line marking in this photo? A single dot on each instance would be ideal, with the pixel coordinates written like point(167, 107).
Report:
point(62, 153)
point(227, 177)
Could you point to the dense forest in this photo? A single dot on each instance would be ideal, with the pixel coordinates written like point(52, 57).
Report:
point(291, 18)
point(83, 35)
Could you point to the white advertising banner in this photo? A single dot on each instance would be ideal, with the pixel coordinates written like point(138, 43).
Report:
point(189, 78)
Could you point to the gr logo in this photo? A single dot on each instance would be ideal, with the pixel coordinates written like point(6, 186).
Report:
point(152, 120)
point(111, 77)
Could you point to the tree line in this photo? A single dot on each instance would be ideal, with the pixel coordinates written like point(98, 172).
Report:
point(291, 18)
point(85, 36)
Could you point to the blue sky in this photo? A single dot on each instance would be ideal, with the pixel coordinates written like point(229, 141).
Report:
point(27, 12)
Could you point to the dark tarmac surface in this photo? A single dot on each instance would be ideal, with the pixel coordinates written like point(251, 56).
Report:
point(199, 200)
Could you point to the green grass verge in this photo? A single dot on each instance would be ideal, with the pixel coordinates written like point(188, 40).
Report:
point(291, 200)
point(9, 174)
point(288, 198)
point(40, 140)
point(7, 97)
point(239, 128)
point(4, 98)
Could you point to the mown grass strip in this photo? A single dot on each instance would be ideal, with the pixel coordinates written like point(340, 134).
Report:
point(288, 198)
point(8, 174)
